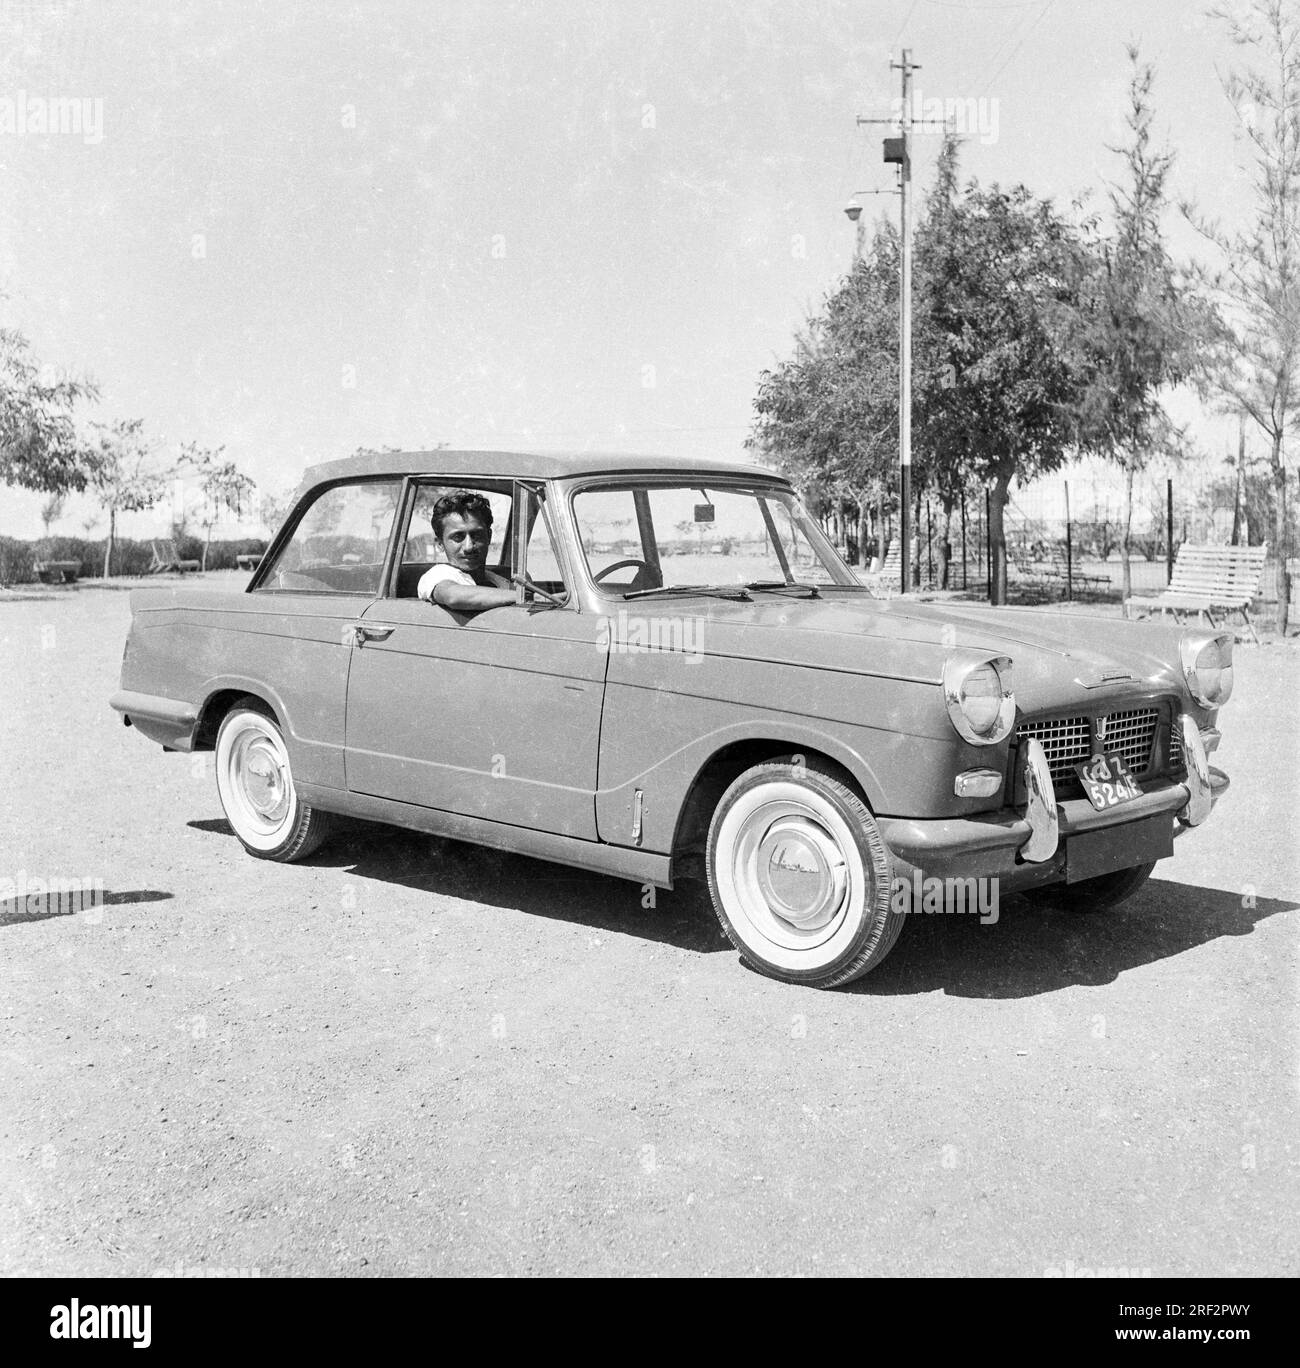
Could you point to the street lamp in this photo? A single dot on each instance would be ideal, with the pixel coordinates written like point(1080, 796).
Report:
point(853, 212)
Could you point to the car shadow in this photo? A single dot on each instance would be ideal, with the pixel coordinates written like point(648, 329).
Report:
point(434, 864)
point(43, 906)
point(1035, 947)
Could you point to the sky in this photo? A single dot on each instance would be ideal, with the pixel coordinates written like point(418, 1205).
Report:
point(292, 230)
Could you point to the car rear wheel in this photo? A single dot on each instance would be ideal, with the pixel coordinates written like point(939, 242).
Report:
point(255, 783)
point(800, 876)
point(1099, 894)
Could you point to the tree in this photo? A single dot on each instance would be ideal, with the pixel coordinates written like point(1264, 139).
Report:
point(225, 490)
point(942, 444)
point(273, 509)
point(52, 511)
point(123, 475)
point(1005, 287)
point(38, 442)
point(828, 414)
point(1142, 330)
point(996, 376)
point(1259, 283)
point(1255, 492)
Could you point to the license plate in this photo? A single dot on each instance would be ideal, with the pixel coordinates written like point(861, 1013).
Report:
point(1107, 781)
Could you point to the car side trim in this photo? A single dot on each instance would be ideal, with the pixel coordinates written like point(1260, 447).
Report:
point(643, 866)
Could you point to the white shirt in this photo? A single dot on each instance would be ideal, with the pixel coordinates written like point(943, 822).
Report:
point(438, 574)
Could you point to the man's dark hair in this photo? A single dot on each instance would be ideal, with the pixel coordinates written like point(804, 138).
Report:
point(464, 502)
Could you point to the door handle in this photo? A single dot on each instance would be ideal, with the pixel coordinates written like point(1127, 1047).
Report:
point(363, 632)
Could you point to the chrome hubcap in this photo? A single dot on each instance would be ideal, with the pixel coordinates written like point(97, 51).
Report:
point(262, 777)
point(800, 871)
point(789, 869)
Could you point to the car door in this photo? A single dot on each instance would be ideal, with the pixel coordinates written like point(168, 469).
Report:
point(493, 715)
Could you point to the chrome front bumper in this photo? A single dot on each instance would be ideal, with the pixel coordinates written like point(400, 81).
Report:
point(1029, 847)
point(1040, 811)
point(1043, 816)
point(1197, 748)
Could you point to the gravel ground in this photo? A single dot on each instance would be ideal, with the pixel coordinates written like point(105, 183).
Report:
point(409, 1056)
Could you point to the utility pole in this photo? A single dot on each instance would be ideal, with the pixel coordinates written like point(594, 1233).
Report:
point(906, 66)
point(899, 151)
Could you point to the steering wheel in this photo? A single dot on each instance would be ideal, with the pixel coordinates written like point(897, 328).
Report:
point(645, 572)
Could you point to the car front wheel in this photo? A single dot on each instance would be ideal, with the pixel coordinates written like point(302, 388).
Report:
point(255, 783)
point(800, 876)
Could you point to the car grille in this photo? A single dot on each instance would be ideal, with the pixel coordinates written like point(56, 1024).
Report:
point(1176, 761)
point(1132, 735)
point(1065, 741)
point(1068, 740)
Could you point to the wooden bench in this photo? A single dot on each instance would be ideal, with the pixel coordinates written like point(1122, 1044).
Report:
point(57, 571)
point(1024, 573)
point(889, 575)
point(1210, 579)
point(166, 557)
point(248, 560)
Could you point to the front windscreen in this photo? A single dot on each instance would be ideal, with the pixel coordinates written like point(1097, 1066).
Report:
point(644, 537)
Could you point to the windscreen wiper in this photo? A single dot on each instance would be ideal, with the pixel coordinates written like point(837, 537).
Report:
point(738, 593)
point(813, 591)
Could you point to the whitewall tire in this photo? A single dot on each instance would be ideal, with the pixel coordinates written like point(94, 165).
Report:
point(255, 783)
point(800, 875)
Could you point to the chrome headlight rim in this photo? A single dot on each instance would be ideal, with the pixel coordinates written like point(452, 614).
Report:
point(1190, 646)
point(959, 666)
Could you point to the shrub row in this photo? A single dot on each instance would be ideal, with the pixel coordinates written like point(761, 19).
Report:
point(18, 558)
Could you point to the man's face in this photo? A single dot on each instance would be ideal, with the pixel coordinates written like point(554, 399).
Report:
point(465, 541)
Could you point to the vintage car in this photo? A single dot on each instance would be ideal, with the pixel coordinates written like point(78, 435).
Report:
point(685, 679)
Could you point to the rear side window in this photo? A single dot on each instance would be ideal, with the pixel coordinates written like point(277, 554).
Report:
point(340, 542)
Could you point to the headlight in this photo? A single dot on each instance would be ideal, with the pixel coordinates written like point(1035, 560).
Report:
point(977, 691)
point(1207, 666)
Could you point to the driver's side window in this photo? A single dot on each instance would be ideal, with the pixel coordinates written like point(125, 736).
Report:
point(422, 546)
point(421, 550)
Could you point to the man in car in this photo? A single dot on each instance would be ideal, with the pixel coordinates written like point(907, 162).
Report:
point(462, 523)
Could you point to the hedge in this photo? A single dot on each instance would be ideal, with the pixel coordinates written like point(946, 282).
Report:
point(18, 558)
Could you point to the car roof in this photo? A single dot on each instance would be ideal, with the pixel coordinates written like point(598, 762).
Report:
point(519, 465)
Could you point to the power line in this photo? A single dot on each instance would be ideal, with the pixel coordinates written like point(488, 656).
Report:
point(1019, 29)
point(904, 25)
point(1042, 14)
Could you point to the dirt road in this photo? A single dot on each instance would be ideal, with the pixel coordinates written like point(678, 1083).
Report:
point(412, 1056)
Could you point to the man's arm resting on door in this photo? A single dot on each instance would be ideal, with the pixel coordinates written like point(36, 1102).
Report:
point(470, 598)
